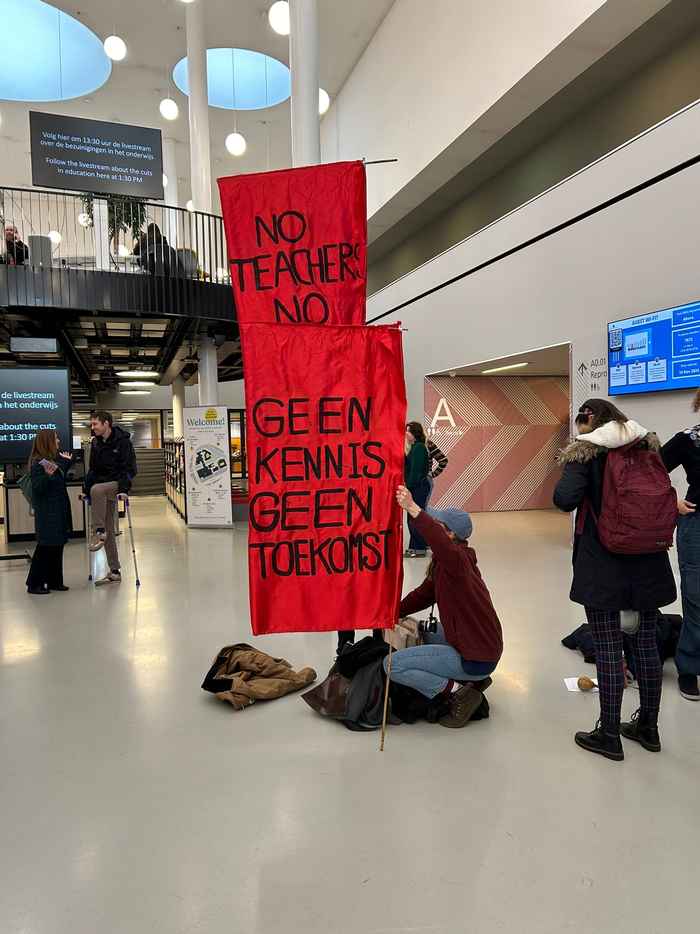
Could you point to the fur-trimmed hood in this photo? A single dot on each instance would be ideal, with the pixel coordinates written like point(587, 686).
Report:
point(608, 437)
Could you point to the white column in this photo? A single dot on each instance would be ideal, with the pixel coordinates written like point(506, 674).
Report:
point(100, 222)
point(200, 156)
point(172, 198)
point(303, 60)
point(178, 389)
point(208, 372)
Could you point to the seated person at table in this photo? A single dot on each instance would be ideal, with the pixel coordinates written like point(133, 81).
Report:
point(16, 252)
point(468, 645)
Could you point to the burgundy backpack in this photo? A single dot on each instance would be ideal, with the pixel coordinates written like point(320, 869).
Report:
point(639, 508)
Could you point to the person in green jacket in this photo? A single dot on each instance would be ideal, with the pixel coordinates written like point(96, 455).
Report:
point(416, 470)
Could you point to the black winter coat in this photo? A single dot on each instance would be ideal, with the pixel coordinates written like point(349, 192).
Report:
point(113, 459)
point(52, 513)
point(603, 580)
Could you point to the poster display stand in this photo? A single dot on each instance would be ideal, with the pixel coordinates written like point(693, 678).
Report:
point(208, 467)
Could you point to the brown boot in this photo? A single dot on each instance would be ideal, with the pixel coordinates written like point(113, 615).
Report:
point(463, 704)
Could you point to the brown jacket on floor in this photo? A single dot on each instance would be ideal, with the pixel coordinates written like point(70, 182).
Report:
point(242, 675)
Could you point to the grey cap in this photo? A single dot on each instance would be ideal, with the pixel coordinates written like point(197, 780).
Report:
point(456, 520)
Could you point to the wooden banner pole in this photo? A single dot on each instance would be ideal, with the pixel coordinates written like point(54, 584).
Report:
point(386, 697)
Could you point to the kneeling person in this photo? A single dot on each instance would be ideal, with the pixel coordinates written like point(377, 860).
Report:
point(469, 643)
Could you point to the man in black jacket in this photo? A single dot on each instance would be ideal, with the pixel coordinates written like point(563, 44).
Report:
point(111, 470)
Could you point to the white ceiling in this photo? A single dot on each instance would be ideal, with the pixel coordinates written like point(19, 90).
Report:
point(546, 361)
point(154, 31)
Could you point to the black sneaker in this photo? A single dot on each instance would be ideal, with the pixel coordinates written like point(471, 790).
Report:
point(644, 730)
point(688, 686)
point(605, 744)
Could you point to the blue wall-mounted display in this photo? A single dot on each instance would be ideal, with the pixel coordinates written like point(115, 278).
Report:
point(47, 55)
point(655, 352)
point(260, 80)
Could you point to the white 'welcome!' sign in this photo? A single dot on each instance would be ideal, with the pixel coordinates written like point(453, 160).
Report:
point(208, 466)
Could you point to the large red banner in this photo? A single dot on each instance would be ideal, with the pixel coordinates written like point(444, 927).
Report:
point(326, 411)
point(297, 244)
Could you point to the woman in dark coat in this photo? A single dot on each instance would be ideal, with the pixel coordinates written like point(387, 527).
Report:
point(607, 583)
point(52, 513)
point(683, 450)
point(416, 473)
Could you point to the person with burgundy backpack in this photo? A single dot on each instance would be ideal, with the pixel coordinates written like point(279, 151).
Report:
point(626, 515)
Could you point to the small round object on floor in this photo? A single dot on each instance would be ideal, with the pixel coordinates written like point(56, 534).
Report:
point(585, 683)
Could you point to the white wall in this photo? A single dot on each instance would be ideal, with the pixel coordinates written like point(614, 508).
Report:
point(433, 70)
point(637, 256)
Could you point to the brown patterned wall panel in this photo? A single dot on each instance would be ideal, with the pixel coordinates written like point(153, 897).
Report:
point(501, 435)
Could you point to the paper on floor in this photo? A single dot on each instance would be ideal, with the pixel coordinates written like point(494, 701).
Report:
point(572, 685)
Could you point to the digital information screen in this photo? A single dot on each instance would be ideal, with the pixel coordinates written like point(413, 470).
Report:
point(31, 399)
point(91, 155)
point(654, 352)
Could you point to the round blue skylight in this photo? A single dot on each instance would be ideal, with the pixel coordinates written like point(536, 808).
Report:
point(258, 80)
point(46, 54)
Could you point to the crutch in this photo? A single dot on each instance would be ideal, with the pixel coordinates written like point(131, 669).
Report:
point(124, 497)
point(87, 522)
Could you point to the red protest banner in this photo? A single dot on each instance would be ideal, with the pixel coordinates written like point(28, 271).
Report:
point(297, 244)
point(325, 426)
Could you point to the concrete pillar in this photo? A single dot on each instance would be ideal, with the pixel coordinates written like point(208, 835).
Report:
point(172, 198)
point(100, 222)
point(178, 389)
point(208, 372)
point(200, 155)
point(303, 60)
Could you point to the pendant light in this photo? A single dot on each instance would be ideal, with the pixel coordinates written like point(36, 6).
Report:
point(169, 109)
point(235, 142)
point(115, 48)
point(278, 17)
point(168, 106)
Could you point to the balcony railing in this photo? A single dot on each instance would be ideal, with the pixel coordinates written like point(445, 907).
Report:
point(55, 241)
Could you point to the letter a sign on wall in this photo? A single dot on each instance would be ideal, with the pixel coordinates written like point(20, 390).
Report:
point(297, 244)
point(325, 453)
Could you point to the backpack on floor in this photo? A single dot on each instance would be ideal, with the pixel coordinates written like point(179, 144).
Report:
point(639, 507)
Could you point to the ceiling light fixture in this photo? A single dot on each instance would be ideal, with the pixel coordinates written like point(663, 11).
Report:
point(136, 373)
point(278, 17)
point(115, 48)
point(324, 102)
point(235, 142)
point(84, 219)
point(169, 109)
point(502, 369)
point(136, 384)
point(135, 392)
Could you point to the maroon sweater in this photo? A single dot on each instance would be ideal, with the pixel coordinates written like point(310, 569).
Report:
point(466, 611)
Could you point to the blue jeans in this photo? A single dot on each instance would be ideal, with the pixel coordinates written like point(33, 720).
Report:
point(688, 543)
point(428, 668)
